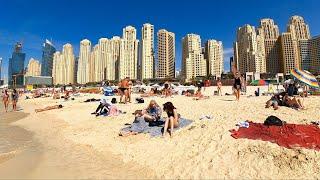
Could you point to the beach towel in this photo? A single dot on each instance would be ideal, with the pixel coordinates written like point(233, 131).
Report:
point(153, 129)
point(288, 135)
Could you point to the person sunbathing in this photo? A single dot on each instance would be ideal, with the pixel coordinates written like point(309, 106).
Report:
point(198, 95)
point(172, 121)
point(49, 108)
point(151, 113)
point(103, 108)
point(167, 90)
point(292, 102)
point(149, 94)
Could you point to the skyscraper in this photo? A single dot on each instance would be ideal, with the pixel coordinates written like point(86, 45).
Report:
point(289, 48)
point(128, 63)
point(270, 33)
point(214, 57)
point(298, 28)
point(147, 52)
point(301, 34)
point(47, 58)
point(84, 62)
point(115, 57)
point(193, 62)
point(16, 66)
point(166, 54)
point(315, 55)
point(34, 68)
point(69, 59)
point(249, 54)
point(63, 71)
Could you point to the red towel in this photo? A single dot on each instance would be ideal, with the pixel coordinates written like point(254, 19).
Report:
point(288, 135)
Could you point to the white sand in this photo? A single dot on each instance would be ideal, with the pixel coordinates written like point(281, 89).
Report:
point(205, 151)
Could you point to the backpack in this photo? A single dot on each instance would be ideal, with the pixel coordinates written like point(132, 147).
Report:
point(113, 100)
point(273, 121)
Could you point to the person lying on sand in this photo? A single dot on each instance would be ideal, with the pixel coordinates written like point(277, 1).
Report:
point(292, 102)
point(198, 95)
point(49, 108)
point(172, 121)
point(149, 94)
point(151, 113)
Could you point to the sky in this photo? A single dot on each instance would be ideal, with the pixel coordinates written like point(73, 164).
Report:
point(70, 21)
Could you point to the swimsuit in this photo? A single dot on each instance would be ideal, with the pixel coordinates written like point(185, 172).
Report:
point(237, 83)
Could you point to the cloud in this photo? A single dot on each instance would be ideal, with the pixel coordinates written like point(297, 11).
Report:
point(228, 51)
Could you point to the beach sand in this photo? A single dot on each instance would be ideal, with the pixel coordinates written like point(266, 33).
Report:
point(204, 149)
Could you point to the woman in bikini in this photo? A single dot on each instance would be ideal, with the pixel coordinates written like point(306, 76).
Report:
point(172, 120)
point(237, 85)
point(14, 98)
point(5, 99)
point(219, 87)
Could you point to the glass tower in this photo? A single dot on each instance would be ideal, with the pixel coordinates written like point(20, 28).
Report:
point(16, 66)
point(47, 58)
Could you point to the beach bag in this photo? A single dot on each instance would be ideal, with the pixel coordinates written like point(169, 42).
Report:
point(140, 100)
point(113, 100)
point(273, 121)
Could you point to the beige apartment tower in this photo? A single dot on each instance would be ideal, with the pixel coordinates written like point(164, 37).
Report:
point(128, 63)
point(63, 66)
point(214, 57)
point(34, 68)
point(289, 48)
point(147, 52)
point(166, 54)
point(193, 62)
point(270, 32)
point(315, 54)
point(298, 28)
point(83, 72)
point(249, 54)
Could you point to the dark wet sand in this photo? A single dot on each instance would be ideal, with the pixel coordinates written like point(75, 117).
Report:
point(23, 155)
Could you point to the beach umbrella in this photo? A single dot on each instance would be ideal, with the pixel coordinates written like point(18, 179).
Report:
point(259, 82)
point(305, 77)
point(156, 85)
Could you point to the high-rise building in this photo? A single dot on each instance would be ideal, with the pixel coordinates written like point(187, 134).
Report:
point(270, 32)
point(84, 62)
point(298, 28)
point(128, 63)
point(63, 71)
point(34, 68)
point(214, 57)
point(304, 54)
point(76, 65)
point(315, 55)
point(93, 58)
point(249, 54)
point(16, 66)
point(115, 57)
point(290, 57)
point(147, 51)
point(232, 63)
point(47, 58)
point(166, 54)
point(193, 62)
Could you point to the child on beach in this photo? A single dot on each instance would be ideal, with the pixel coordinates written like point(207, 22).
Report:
point(172, 119)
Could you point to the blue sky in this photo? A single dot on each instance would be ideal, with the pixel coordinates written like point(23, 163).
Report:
point(32, 21)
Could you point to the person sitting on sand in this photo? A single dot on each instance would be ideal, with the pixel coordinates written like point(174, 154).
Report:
point(167, 90)
point(172, 121)
point(152, 112)
point(49, 108)
point(275, 102)
point(103, 108)
point(56, 95)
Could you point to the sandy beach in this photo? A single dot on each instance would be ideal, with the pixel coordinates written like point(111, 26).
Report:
point(72, 143)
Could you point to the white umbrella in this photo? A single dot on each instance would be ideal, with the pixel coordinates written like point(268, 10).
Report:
point(156, 85)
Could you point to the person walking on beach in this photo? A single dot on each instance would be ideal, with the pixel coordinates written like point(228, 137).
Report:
point(130, 84)
point(5, 99)
point(237, 82)
point(172, 120)
point(219, 87)
point(14, 98)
